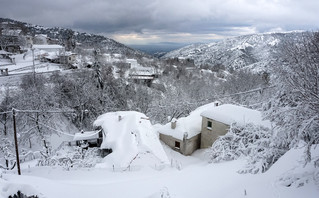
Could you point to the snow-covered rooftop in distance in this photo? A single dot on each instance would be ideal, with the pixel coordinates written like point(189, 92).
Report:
point(229, 114)
point(87, 135)
point(142, 71)
point(4, 52)
point(190, 124)
point(47, 47)
point(128, 133)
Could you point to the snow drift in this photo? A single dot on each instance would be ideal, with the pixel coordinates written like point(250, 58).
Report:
point(128, 134)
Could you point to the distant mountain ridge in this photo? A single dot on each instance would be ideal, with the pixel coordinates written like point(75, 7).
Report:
point(253, 51)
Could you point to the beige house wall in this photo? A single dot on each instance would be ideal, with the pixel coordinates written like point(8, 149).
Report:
point(209, 135)
point(187, 146)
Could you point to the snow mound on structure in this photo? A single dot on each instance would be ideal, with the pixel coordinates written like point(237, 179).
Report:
point(128, 134)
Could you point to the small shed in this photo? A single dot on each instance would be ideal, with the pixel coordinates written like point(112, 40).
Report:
point(216, 121)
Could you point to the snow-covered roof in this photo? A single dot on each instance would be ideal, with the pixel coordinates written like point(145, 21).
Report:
point(87, 135)
point(47, 47)
point(69, 53)
point(128, 133)
point(190, 124)
point(229, 114)
point(142, 71)
point(4, 52)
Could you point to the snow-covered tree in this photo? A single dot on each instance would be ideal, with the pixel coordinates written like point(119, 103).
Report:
point(35, 97)
point(6, 150)
point(295, 107)
point(5, 106)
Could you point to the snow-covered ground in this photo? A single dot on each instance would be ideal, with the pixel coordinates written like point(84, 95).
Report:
point(189, 176)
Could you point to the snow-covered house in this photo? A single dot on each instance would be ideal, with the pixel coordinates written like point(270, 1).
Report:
point(216, 121)
point(184, 134)
point(49, 53)
point(133, 62)
point(203, 126)
point(129, 134)
point(68, 58)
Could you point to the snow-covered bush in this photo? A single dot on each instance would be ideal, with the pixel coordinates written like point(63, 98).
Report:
point(251, 141)
point(240, 141)
point(73, 157)
point(260, 160)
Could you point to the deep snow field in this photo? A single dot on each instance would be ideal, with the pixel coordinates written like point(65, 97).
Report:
point(186, 176)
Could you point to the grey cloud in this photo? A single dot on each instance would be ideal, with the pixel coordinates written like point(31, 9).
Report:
point(166, 16)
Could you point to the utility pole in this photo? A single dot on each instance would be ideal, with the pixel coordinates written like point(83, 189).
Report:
point(16, 140)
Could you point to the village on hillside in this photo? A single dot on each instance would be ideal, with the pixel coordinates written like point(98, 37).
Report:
point(87, 119)
point(22, 54)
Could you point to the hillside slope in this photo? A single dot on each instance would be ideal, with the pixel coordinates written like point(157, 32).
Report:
point(234, 53)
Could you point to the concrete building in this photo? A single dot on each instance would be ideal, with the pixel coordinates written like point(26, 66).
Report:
point(211, 130)
point(184, 134)
point(204, 125)
point(216, 121)
point(68, 58)
point(179, 139)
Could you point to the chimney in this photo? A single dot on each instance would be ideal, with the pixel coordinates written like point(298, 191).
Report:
point(173, 123)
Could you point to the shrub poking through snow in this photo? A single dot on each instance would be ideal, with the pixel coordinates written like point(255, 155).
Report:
point(252, 141)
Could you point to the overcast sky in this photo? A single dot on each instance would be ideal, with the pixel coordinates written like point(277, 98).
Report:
point(154, 21)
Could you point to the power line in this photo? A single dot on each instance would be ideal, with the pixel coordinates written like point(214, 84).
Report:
point(217, 97)
point(38, 111)
point(49, 111)
point(61, 132)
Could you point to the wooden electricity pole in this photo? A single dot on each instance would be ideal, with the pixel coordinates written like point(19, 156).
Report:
point(16, 140)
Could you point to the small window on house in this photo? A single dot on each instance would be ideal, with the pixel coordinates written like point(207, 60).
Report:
point(177, 145)
point(209, 125)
